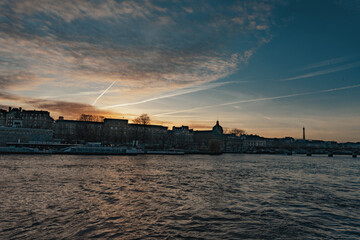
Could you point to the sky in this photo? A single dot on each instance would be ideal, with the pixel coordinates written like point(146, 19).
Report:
point(267, 67)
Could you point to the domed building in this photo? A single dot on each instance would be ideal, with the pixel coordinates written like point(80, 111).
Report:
point(202, 139)
point(217, 129)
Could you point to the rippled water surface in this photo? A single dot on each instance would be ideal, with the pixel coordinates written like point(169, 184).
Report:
point(170, 197)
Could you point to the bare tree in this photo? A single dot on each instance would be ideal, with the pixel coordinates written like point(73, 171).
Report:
point(143, 119)
point(236, 131)
point(91, 118)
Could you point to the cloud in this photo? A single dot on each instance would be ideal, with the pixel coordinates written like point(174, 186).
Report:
point(148, 45)
point(194, 125)
point(19, 79)
point(69, 10)
point(259, 100)
point(173, 94)
point(188, 10)
point(9, 96)
point(69, 109)
point(254, 15)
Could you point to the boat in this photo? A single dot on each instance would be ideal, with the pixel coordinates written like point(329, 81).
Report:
point(99, 150)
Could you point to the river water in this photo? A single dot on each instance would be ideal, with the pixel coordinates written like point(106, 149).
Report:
point(230, 196)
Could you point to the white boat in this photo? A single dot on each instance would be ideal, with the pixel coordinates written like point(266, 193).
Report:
point(99, 150)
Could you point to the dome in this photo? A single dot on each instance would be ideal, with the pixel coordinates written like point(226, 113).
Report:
point(217, 128)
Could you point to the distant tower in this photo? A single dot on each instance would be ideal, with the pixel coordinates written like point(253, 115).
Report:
point(304, 133)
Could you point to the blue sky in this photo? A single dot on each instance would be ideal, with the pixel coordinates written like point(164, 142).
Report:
point(268, 67)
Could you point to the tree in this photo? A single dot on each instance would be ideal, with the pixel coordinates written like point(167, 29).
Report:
point(143, 119)
point(91, 118)
point(236, 131)
point(214, 146)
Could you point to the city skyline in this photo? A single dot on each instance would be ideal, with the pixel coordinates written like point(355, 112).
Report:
point(268, 67)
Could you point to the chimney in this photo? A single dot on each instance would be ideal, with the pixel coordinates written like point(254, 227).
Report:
point(61, 118)
point(20, 108)
point(9, 109)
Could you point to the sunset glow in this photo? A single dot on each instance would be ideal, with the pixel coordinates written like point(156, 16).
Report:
point(268, 67)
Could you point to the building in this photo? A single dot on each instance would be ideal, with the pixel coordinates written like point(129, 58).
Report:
point(72, 131)
point(3, 117)
point(115, 131)
point(23, 126)
point(181, 137)
point(233, 143)
point(203, 139)
point(253, 141)
point(150, 136)
point(9, 135)
point(19, 118)
point(110, 132)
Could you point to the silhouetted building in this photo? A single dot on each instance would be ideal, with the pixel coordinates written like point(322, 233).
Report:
point(217, 129)
point(193, 141)
point(115, 131)
point(232, 143)
point(182, 137)
point(202, 139)
point(19, 118)
point(3, 117)
point(73, 131)
point(253, 141)
point(110, 131)
point(22, 126)
point(151, 136)
point(279, 142)
point(10, 135)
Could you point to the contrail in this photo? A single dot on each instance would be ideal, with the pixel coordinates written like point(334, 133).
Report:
point(102, 93)
point(323, 72)
point(328, 62)
point(181, 92)
point(259, 99)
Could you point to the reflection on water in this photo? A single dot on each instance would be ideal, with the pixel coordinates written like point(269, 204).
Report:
point(191, 196)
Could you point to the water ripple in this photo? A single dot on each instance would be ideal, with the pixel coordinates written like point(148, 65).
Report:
point(172, 197)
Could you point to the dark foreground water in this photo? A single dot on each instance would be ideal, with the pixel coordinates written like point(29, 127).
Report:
point(175, 197)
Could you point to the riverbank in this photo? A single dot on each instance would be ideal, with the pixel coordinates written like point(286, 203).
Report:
point(82, 150)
